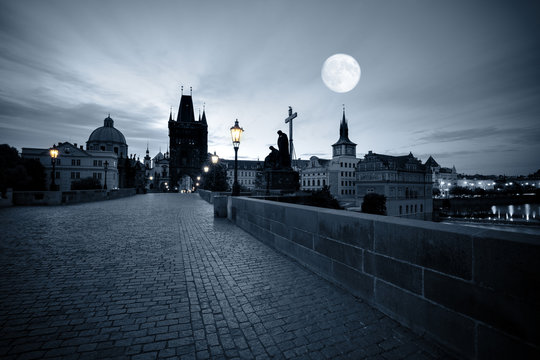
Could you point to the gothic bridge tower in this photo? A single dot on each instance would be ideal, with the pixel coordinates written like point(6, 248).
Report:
point(188, 142)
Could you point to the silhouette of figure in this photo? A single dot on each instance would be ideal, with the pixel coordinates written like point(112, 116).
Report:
point(283, 146)
point(272, 160)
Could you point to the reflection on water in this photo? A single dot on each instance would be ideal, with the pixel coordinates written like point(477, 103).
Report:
point(524, 212)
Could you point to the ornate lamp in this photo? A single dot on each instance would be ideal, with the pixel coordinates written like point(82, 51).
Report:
point(236, 133)
point(54, 154)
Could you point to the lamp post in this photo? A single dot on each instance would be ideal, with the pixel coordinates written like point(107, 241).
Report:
point(54, 154)
point(236, 133)
point(106, 167)
point(215, 160)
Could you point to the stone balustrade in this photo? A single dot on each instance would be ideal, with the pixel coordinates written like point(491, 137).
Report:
point(475, 291)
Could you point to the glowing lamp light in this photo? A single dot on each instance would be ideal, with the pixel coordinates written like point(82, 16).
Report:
point(236, 133)
point(206, 168)
point(53, 152)
point(215, 158)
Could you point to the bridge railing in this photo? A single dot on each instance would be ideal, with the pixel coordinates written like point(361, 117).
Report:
point(475, 291)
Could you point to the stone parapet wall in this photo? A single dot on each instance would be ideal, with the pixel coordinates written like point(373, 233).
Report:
point(68, 197)
point(475, 291)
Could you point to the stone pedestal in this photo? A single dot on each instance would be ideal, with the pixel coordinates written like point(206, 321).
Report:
point(280, 181)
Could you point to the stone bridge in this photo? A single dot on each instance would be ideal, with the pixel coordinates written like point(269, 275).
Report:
point(157, 276)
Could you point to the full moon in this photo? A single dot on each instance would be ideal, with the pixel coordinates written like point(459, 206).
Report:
point(340, 73)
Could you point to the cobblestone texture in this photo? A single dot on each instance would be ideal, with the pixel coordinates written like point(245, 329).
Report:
point(156, 276)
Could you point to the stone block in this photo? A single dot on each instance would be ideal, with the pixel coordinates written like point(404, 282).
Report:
point(301, 217)
point(315, 261)
point(401, 274)
point(436, 246)
point(220, 206)
point(346, 227)
point(493, 345)
point(448, 327)
point(274, 211)
point(280, 229)
point(301, 237)
point(285, 246)
point(505, 312)
point(509, 263)
point(356, 282)
point(338, 251)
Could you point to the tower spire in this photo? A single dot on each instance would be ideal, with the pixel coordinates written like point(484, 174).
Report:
point(182, 90)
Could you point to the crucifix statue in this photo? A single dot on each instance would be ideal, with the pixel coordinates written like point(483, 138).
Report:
point(289, 120)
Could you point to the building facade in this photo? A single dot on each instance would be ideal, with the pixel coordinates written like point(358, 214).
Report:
point(247, 172)
point(188, 143)
point(108, 138)
point(403, 180)
point(444, 179)
point(74, 163)
point(315, 175)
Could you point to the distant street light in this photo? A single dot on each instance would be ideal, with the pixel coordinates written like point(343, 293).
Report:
point(236, 133)
point(106, 168)
point(54, 154)
point(215, 160)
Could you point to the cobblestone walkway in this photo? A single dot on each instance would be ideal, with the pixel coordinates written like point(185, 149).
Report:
point(156, 276)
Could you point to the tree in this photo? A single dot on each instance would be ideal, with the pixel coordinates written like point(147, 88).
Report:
point(216, 178)
point(18, 173)
point(374, 204)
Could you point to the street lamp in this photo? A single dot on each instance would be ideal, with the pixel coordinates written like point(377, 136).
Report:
point(236, 133)
point(54, 154)
point(215, 160)
point(106, 167)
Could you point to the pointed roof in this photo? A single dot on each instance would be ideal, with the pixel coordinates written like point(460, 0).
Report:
point(344, 132)
point(204, 117)
point(430, 162)
point(185, 110)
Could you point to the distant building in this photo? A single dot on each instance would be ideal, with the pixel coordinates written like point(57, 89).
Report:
point(73, 164)
point(158, 172)
point(108, 138)
point(475, 183)
point(188, 142)
point(443, 178)
point(247, 172)
point(315, 175)
point(338, 173)
point(404, 180)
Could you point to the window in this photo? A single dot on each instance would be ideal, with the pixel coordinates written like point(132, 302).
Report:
point(318, 182)
point(407, 209)
point(400, 209)
point(421, 207)
point(415, 208)
point(324, 182)
point(58, 162)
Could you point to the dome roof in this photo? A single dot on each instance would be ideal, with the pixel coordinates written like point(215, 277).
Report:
point(107, 133)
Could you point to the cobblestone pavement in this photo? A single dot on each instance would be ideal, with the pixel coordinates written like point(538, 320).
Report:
point(156, 276)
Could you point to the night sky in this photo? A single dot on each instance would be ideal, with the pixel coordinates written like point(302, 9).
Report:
point(458, 80)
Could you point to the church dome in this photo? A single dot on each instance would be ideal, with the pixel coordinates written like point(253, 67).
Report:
point(107, 138)
point(107, 133)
